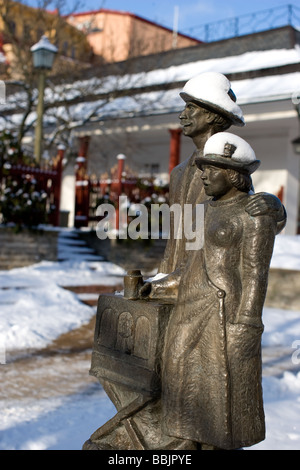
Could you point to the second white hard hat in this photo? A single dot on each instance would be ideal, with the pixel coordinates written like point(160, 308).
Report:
point(227, 150)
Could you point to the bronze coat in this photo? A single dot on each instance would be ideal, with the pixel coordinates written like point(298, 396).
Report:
point(186, 187)
point(211, 378)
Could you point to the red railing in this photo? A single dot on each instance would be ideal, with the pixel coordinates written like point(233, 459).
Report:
point(45, 181)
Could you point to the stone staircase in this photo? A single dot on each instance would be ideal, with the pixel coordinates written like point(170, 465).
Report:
point(71, 247)
point(129, 254)
point(26, 247)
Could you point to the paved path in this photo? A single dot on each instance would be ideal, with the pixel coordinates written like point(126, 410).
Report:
point(63, 367)
point(60, 369)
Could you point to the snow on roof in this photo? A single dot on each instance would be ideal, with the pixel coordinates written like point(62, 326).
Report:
point(271, 88)
point(247, 91)
point(249, 61)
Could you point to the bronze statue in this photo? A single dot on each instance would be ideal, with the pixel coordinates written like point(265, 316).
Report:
point(210, 108)
point(176, 362)
point(211, 377)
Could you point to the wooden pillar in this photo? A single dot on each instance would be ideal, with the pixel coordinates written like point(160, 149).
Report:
point(84, 146)
point(82, 193)
point(57, 188)
point(174, 148)
point(121, 160)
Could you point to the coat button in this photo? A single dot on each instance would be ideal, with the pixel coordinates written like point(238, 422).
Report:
point(221, 294)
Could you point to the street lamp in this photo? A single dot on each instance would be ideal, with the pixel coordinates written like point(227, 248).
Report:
point(43, 56)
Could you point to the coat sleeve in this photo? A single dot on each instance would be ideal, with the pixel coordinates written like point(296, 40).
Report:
point(166, 263)
point(281, 220)
point(256, 253)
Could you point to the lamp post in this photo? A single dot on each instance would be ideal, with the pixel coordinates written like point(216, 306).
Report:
point(43, 56)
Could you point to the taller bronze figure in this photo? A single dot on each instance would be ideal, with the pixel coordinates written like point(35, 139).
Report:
point(210, 108)
point(182, 362)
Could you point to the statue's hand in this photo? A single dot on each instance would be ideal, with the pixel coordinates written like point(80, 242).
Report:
point(164, 289)
point(145, 290)
point(265, 204)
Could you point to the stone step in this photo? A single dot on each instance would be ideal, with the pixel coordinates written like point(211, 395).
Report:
point(12, 264)
point(89, 299)
point(89, 294)
point(21, 253)
point(95, 289)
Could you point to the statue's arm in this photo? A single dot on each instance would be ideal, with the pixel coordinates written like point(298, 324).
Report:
point(257, 248)
point(164, 265)
point(165, 262)
point(267, 204)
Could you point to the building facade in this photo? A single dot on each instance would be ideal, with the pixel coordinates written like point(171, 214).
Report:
point(133, 108)
point(118, 35)
point(22, 26)
point(264, 70)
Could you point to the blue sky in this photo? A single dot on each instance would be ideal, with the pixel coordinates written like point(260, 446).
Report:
point(192, 13)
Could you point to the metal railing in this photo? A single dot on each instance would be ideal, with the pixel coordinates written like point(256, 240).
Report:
point(247, 24)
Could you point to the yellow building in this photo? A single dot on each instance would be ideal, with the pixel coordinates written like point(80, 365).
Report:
point(117, 35)
point(22, 26)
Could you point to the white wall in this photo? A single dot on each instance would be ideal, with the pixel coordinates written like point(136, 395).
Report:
point(270, 128)
point(67, 200)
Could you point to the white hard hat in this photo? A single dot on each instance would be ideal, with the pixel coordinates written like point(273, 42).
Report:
point(227, 150)
point(213, 91)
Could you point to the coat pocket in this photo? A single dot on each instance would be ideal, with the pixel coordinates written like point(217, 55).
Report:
point(243, 341)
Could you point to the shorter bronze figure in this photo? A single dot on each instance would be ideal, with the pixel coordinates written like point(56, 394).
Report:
point(211, 374)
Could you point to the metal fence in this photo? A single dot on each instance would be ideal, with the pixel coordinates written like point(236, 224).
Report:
point(248, 24)
point(30, 196)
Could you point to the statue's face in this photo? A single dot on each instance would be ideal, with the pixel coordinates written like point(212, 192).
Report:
point(216, 181)
point(194, 119)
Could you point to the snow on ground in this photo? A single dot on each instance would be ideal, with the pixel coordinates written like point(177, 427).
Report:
point(32, 300)
point(34, 316)
point(282, 411)
point(59, 423)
